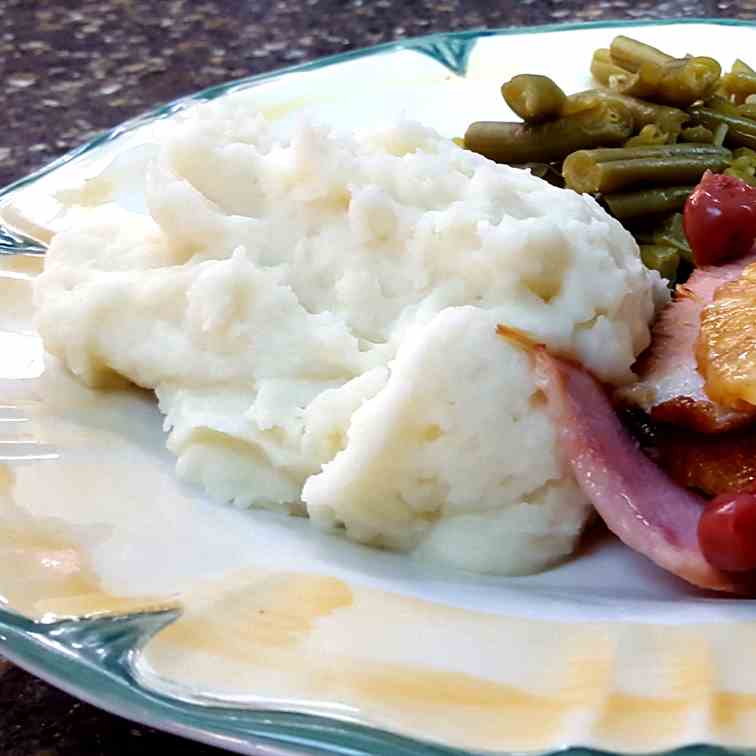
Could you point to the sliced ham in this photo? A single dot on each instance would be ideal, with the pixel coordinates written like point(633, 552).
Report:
point(724, 463)
point(645, 508)
point(670, 388)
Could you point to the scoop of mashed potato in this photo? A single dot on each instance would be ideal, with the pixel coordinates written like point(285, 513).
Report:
point(317, 314)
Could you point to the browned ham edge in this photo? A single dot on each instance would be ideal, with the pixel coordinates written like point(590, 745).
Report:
point(670, 388)
point(713, 465)
point(645, 508)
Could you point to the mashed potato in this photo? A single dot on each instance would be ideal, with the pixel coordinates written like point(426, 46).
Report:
point(317, 314)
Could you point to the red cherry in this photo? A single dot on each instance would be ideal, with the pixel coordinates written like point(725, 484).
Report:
point(720, 219)
point(727, 532)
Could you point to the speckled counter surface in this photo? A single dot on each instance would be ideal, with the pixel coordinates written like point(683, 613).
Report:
point(71, 68)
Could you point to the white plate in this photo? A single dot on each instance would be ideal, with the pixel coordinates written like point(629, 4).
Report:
point(605, 651)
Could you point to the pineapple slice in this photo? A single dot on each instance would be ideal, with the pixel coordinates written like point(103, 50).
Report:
point(726, 346)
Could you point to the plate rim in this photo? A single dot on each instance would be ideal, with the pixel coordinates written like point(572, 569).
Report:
point(34, 646)
point(410, 43)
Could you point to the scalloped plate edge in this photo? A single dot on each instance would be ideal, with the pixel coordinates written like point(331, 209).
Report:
point(38, 648)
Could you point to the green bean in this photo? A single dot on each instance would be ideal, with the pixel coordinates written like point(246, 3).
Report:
point(585, 170)
point(607, 154)
point(741, 131)
point(549, 142)
point(632, 54)
point(678, 82)
point(746, 110)
point(644, 113)
point(611, 170)
point(534, 98)
point(743, 170)
point(744, 152)
point(720, 133)
point(648, 136)
point(667, 231)
point(671, 233)
point(743, 165)
point(698, 134)
point(643, 83)
point(662, 258)
point(739, 85)
point(604, 69)
point(687, 81)
point(740, 66)
point(721, 104)
point(647, 202)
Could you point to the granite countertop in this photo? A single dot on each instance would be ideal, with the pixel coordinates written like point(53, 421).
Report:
point(69, 69)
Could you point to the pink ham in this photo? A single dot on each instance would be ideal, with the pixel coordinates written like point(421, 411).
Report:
point(670, 388)
point(638, 502)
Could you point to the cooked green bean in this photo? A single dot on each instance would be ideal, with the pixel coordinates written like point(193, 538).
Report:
point(606, 154)
point(662, 258)
point(640, 144)
point(583, 159)
point(744, 152)
point(611, 170)
point(643, 83)
point(534, 98)
point(666, 232)
point(740, 66)
point(698, 134)
point(739, 85)
point(644, 113)
point(679, 83)
point(670, 233)
point(604, 69)
point(648, 136)
point(647, 202)
point(632, 54)
point(721, 104)
point(743, 165)
point(743, 170)
point(741, 131)
point(610, 123)
point(689, 80)
point(720, 133)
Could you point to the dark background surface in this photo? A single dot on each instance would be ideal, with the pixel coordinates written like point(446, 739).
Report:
point(69, 69)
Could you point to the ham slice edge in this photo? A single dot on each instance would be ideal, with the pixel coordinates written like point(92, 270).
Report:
point(671, 389)
point(645, 508)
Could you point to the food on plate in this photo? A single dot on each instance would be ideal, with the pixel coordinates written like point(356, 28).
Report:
point(641, 143)
point(317, 315)
point(720, 219)
point(726, 532)
point(726, 347)
point(637, 501)
point(695, 379)
point(740, 82)
point(534, 98)
point(743, 163)
point(544, 142)
point(681, 183)
point(627, 206)
point(711, 463)
point(612, 169)
point(670, 387)
point(433, 350)
point(634, 68)
point(663, 119)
